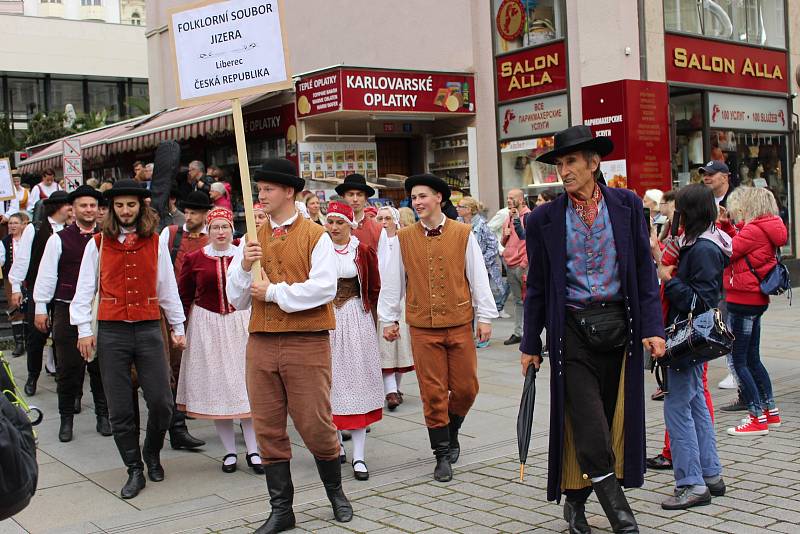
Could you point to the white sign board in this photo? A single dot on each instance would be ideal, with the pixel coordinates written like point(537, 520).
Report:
point(6, 183)
point(529, 118)
point(742, 112)
point(229, 49)
point(72, 163)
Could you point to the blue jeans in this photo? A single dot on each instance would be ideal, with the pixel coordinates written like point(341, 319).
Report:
point(691, 432)
point(754, 381)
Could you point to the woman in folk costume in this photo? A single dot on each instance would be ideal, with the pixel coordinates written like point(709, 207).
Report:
point(396, 358)
point(357, 390)
point(212, 379)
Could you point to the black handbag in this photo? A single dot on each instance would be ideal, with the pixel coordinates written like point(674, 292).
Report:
point(696, 339)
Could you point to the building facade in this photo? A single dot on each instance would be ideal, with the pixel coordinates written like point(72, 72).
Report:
point(86, 55)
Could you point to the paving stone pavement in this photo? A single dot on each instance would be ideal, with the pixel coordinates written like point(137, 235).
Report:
point(79, 481)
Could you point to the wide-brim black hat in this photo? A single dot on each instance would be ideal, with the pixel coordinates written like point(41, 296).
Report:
point(197, 200)
point(355, 181)
point(576, 139)
point(432, 181)
point(59, 197)
point(85, 191)
point(127, 187)
point(279, 171)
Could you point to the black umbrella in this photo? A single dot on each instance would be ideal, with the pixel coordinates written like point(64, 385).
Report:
point(525, 418)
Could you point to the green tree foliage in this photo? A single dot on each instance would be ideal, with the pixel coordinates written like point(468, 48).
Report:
point(8, 142)
point(51, 126)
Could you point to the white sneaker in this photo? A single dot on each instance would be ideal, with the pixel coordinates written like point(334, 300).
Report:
point(728, 383)
point(504, 315)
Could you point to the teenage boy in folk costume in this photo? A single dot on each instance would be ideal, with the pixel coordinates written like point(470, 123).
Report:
point(288, 353)
point(356, 192)
point(178, 241)
point(23, 273)
point(55, 287)
point(134, 278)
point(440, 271)
point(592, 284)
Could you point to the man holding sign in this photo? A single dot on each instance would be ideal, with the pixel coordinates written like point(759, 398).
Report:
point(289, 352)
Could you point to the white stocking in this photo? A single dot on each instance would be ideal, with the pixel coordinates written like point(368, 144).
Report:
point(390, 383)
point(359, 442)
point(250, 439)
point(225, 433)
point(397, 378)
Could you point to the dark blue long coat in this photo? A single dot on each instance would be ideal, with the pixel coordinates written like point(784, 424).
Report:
point(545, 308)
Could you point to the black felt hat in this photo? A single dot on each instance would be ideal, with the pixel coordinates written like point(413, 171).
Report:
point(127, 187)
point(355, 181)
point(432, 181)
point(575, 139)
point(85, 191)
point(197, 200)
point(279, 171)
point(59, 197)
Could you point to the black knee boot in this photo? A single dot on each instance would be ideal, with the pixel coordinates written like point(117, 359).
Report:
point(179, 437)
point(103, 426)
point(575, 510)
point(440, 443)
point(151, 453)
point(128, 446)
point(455, 426)
point(18, 330)
point(615, 505)
point(330, 471)
point(281, 496)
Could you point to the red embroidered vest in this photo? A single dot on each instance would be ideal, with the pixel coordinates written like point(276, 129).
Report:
point(128, 280)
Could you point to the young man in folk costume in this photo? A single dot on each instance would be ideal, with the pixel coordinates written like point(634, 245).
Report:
point(289, 352)
point(356, 192)
point(439, 269)
point(592, 284)
point(178, 241)
point(44, 189)
point(134, 278)
point(55, 288)
point(24, 271)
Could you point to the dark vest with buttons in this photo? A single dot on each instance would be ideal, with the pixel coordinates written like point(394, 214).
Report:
point(43, 233)
point(73, 243)
point(437, 289)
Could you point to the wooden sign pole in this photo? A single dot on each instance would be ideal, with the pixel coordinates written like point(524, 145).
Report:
point(244, 174)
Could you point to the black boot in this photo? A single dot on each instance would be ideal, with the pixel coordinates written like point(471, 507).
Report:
point(575, 511)
point(65, 430)
point(78, 406)
point(179, 437)
point(454, 426)
point(281, 495)
point(19, 339)
point(30, 385)
point(615, 505)
point(103, 426)
point(153, 443)
point(330, 471)
point(128, 446)
point(440, 443)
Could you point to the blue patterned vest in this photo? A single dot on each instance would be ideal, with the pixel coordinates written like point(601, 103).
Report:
point(592, 269)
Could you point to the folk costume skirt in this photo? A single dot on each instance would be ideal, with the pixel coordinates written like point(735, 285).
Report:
point(357, 385)
point(212, 378)
point(396, 356)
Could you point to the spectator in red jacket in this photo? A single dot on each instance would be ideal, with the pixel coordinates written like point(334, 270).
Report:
point(754, 245)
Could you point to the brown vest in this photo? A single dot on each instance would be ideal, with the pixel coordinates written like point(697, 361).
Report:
point(288, 259)
point(437, 289)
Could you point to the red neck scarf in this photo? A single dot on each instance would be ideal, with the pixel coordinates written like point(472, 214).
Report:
point(587, 209)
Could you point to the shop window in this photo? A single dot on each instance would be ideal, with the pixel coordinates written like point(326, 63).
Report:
point(50, 2)
point(91, 2)
point(25, 97)
point(520, 170)
point(138, 102)
point(537, 22)
point(63, 92)
point(686, 114)
point(104, 96)
point(759, 22)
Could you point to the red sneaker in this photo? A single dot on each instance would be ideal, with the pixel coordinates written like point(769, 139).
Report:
point(755, 426)
point(773, 418)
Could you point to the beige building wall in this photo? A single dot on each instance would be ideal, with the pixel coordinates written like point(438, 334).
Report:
point(32, 44)
point(794, 63)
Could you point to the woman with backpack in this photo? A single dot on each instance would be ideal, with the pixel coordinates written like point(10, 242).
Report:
point(760, 234)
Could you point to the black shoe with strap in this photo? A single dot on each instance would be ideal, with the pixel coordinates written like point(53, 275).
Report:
point(440, 443)
point(281, 496)
point(330, 471)
point(257, 468)
point(360, 475)
point(229, 468)
point(455, 447)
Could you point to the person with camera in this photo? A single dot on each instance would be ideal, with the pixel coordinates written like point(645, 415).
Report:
point(695, 286)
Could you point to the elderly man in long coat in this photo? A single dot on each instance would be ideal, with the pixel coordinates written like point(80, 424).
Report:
point(592, 284)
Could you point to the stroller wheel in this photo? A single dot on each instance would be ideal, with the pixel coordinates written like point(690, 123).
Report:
point(35, 415)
